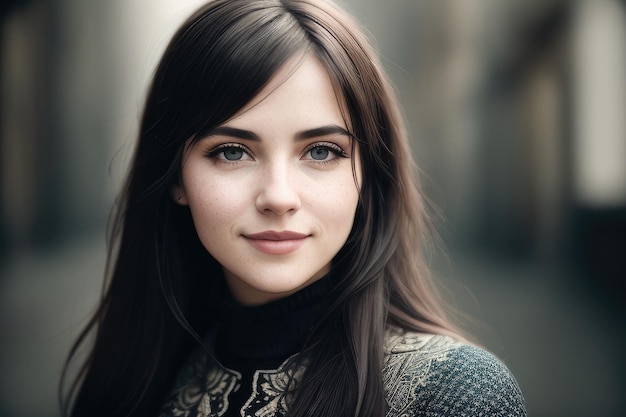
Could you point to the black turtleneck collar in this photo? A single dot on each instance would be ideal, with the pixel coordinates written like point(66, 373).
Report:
point(270, 332)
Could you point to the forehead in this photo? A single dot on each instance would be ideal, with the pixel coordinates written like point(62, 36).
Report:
point(302, 85)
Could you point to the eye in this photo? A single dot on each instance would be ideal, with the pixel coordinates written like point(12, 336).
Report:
point(230, 152)
point(319, 153)
point(324, 152)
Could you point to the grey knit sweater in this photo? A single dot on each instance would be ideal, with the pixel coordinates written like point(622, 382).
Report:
point(435, 376)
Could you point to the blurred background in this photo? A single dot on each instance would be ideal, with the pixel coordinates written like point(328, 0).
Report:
point(517, 113)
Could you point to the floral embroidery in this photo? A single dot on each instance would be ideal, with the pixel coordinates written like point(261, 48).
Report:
point(273, 391)
point(407, 366)
point(205, 391)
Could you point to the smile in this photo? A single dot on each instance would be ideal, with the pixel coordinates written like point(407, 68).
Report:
point(276, 243)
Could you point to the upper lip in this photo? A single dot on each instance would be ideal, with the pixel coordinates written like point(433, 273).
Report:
point(273, 235)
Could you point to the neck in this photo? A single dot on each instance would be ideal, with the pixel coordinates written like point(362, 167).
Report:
point(274, 330)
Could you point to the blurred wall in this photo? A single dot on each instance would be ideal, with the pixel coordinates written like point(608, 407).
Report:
point(73, 78)
point(516, 113)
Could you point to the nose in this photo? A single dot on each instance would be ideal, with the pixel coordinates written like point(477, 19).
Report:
point(278, 192)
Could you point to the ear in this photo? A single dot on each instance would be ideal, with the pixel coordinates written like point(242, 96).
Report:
point(178, 194)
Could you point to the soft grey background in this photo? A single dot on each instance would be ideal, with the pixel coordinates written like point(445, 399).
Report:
point(516, 110)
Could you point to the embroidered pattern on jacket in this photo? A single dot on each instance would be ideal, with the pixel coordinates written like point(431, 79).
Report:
point(204, 392)
point(422, 375)
point(272, 391)
point(409, 358)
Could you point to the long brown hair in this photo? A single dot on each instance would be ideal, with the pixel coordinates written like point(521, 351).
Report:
point(151, 313)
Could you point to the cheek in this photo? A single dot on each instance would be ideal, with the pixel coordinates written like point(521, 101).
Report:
point(337, 203)
point(213, 204)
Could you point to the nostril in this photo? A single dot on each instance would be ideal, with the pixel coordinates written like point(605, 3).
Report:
point(277, 195)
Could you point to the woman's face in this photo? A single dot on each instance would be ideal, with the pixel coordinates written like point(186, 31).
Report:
point(272, 192)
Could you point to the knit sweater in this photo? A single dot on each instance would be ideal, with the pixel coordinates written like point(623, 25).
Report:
point(423, 374)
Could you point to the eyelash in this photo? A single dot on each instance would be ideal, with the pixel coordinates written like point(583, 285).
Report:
point(221, 149)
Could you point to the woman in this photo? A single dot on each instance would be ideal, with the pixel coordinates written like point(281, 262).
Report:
point(265, 253)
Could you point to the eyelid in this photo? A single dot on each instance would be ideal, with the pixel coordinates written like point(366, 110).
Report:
point(330, 145)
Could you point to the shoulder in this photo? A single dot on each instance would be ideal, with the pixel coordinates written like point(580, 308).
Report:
point(435, 375)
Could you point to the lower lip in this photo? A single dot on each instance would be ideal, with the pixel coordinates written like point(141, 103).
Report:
point(276, 247)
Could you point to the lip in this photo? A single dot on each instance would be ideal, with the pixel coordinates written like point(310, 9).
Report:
point(276, 243)
point(273, 235)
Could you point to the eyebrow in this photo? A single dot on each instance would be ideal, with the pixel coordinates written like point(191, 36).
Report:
point(305, 134)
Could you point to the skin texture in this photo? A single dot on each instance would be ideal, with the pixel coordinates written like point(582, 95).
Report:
point(282, 164)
